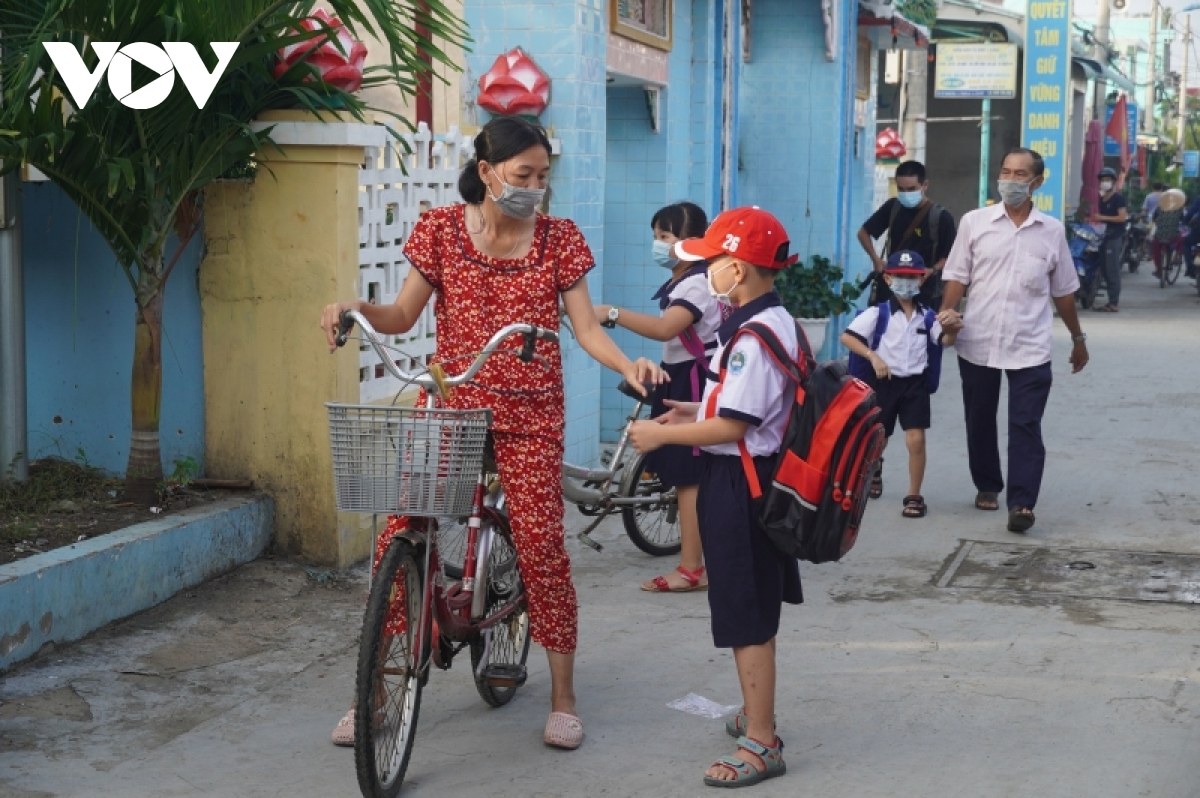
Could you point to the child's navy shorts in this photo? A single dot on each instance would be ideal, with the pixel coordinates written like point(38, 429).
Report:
point(748, 578)
point(676, 466)
point(904, 398)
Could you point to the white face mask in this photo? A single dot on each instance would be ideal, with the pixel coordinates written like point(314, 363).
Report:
point(724, 298)
point(905, 287)
point(1106, 186)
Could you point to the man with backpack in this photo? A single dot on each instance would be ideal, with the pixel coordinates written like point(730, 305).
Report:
point(897, 345)
point(914, 222)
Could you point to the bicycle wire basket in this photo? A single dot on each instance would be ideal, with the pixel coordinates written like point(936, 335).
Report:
point(406, 460)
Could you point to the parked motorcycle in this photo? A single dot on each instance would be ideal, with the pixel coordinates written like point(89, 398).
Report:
point(1087, 251)
point(1137, 243)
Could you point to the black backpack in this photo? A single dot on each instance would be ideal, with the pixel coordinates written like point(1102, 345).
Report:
point(831, 450)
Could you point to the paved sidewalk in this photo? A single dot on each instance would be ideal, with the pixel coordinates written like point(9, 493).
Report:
point(889, 684)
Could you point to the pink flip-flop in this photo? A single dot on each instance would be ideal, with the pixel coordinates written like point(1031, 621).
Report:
point(563, 731)
point(343, 733)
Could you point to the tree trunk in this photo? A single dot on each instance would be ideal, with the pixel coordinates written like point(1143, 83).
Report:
point(144, 474)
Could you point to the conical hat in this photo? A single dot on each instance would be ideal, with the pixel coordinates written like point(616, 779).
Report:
point(1172, 200)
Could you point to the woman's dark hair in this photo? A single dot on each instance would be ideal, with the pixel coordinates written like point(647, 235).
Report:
point(682, 220)
point(502, 138)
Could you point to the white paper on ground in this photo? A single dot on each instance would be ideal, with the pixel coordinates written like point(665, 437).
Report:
point(699, 705)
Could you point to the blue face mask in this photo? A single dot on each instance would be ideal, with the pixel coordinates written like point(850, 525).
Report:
point(909, 199)
point(663, 254)
point(905, 287)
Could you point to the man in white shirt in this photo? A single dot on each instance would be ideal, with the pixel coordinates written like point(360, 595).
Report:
point(1016, 261)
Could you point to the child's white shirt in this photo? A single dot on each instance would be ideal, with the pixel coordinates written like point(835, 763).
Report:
point(904, 343)
point(756, 390)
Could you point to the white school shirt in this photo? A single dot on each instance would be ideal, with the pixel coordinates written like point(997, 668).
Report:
point(691, 293)
point(1012, 272)
point(756, 390)
point(904, 344)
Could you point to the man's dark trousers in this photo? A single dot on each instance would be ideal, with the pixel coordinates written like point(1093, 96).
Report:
point(1028, 390)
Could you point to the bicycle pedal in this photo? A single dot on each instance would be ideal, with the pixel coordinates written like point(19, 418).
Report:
point(505, 675)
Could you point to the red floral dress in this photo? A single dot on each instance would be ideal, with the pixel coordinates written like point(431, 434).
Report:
point(476, 296)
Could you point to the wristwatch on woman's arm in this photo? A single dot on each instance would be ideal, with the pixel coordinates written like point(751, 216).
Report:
point(611, 322)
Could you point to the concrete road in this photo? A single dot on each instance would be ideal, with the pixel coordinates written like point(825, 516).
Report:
point(890, 685)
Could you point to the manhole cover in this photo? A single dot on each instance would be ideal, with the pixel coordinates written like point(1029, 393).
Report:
point(1083, 573)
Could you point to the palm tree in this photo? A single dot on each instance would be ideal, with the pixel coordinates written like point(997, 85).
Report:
point(138, 174)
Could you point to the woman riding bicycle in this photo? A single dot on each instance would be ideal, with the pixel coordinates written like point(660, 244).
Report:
point(495, 261)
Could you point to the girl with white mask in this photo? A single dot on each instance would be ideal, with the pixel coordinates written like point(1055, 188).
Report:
point(687, 326)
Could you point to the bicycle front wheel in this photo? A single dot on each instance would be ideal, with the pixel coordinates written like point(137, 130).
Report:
point(387, 696)
point(654, 526)
point(509, 638)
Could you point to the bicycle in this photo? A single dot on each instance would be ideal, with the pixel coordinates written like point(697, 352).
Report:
point(449, 579)
point(1170, 271)
point(649, 511)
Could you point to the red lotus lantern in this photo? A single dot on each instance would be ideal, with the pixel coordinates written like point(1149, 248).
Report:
point(888, 144)
point(514, 85)
point(340, 68)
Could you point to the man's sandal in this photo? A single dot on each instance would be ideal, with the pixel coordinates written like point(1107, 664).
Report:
point(659, 584)
point(1020, 519)
point(987, 500)
point(746, 774)
point(914, 507)
point(876, 489)
point(563, 731)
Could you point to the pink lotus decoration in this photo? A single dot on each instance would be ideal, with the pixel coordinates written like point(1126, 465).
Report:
point(514, 85)
point(342, 70)
point(889, 144)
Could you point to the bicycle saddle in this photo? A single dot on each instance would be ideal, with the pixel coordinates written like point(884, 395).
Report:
point(629, 391)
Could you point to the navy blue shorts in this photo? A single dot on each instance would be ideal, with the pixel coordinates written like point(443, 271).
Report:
point(906, 399)
point(748, 578)
point(676, 466)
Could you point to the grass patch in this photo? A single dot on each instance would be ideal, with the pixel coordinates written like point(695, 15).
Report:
point(51, 481)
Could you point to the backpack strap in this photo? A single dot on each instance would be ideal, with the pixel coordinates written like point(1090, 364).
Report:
point(935, 223)
point(887, 239)
point(882, 318)
point(797, 372)
point(695, 347)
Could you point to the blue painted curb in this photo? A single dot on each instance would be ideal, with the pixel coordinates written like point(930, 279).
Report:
point(65, 593)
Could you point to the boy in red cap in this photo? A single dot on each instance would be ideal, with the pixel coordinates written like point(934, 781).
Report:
point(898, 350)
point(748, 578)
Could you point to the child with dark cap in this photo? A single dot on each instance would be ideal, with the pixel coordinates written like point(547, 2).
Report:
point(743, 413)
point(896, 338)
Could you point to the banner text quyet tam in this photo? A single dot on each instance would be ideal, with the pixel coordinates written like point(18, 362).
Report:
point(1044, 107)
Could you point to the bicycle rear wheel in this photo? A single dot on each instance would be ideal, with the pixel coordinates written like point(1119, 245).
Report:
point(1174, 268)
point(509, 644)
point(387, 695)
point(653, 527)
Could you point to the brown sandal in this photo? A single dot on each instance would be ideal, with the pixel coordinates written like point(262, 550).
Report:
point(876, 489)
point(984, 498)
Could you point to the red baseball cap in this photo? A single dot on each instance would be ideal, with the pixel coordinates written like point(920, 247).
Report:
point(750, 234)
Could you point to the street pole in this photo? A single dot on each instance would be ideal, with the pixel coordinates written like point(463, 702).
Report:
point(1151, 96)
point(1183, 81)
point(985, 148)
point(1101, 51)
point(918, 86)
point(14, 451)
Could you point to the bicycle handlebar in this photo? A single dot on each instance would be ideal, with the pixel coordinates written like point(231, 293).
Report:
point(531, 332)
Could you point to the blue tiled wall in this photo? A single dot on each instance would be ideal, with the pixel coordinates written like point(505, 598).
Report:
point(797, 148)
point(645, 171)
point(79, 323)
point(567, 40)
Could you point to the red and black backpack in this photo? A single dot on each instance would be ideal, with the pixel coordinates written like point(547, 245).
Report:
point(831, 450)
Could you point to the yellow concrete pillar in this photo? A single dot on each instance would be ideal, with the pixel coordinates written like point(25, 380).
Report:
point(278, 250)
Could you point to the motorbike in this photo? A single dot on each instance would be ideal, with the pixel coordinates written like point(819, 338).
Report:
point(1087, 251)
point(1137, 243)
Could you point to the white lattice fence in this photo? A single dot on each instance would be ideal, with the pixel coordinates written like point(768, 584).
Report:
point(395, 187)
